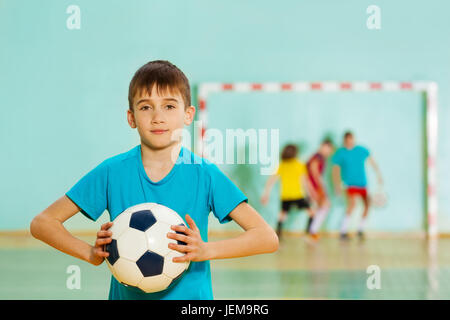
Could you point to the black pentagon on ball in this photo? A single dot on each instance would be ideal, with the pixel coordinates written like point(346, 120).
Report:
point(142, 220)
point(111, 248)
point(150, 264)
point(178, 241)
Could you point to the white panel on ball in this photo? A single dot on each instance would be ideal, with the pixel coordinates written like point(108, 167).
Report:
point(120, 224)
point(144, 206)
point(132, 244)
point(157, 238)
point(167, 215)
point(128, 271)
point(173, 269)
point(155, 283)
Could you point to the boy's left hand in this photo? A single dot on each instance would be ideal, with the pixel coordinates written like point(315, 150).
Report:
point(195, 248)
point(380, 180)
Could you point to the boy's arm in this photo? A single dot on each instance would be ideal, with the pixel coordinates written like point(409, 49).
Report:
point(48, 227)
point(307, 185)
point(316, 173)
point(268, 188)
point(377, 170)
point(257, 238)
point(336, 173)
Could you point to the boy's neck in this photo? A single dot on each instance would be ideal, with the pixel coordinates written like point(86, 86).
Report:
point(160, 158)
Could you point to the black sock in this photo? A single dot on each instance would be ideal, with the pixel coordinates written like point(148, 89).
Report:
point(310, 220)
point(279, 228)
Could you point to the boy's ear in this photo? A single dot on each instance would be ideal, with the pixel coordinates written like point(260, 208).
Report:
point(189, 114)
point(130, 119)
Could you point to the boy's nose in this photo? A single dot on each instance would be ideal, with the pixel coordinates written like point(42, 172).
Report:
point(157, 118)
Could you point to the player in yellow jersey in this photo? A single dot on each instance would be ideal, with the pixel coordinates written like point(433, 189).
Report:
point(292, 174)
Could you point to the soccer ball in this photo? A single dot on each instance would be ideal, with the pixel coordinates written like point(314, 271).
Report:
point(139, 255)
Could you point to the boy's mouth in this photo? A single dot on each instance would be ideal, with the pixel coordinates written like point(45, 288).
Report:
point(158, 131)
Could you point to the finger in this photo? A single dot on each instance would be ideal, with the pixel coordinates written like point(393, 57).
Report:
point(99, 252)
point(186, 258)
point(179, 247)
point(104, 234)
point(106, 225)
point(191, 223)
point(102, 241)
point(182, 228)
point(103, 254)
point(179, 237)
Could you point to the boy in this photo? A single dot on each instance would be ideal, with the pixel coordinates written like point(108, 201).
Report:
point(292, 174)
point(316, 167)
point(349, 162)
point(159, 170)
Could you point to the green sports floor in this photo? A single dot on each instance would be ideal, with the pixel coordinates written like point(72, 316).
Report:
point(410, 268)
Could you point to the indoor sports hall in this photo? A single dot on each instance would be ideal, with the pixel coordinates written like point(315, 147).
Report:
point(263, 75)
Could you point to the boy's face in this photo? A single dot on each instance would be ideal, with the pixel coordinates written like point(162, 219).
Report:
point(349, 142)
point(159, 117)
point(327, 149)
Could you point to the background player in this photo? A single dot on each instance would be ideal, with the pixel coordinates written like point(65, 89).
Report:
point(292, 173)
point(349, 165)
point(316, 167)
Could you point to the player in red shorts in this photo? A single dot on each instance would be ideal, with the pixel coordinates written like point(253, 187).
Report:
point(316, 167)
point(349, 165)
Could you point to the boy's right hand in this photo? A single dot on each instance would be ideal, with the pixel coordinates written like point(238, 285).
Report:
point(98, 253)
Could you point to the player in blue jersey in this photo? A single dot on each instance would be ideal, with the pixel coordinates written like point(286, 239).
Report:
point(159, 170)
point(349, 166)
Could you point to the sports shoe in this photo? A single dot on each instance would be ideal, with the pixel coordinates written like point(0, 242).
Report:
point(314, 236)
point(344, 236)
point(361, 235)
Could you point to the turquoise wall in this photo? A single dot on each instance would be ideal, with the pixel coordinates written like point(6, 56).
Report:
point(305, 118)
point(63, 93)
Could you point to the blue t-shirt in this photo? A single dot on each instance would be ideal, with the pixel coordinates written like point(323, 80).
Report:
point(352, 163)
point(194, 186)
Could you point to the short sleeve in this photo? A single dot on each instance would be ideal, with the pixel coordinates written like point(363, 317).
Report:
point(365, 152)
point(224, 195)
point(90, 192)
point(303, 170)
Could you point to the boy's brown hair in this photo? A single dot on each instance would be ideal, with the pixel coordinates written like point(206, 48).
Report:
point(165, 75)
point(289, 152)
point(348, 134)
point(328, 141)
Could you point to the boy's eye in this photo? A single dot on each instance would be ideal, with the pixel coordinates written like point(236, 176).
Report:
point(168, 107)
